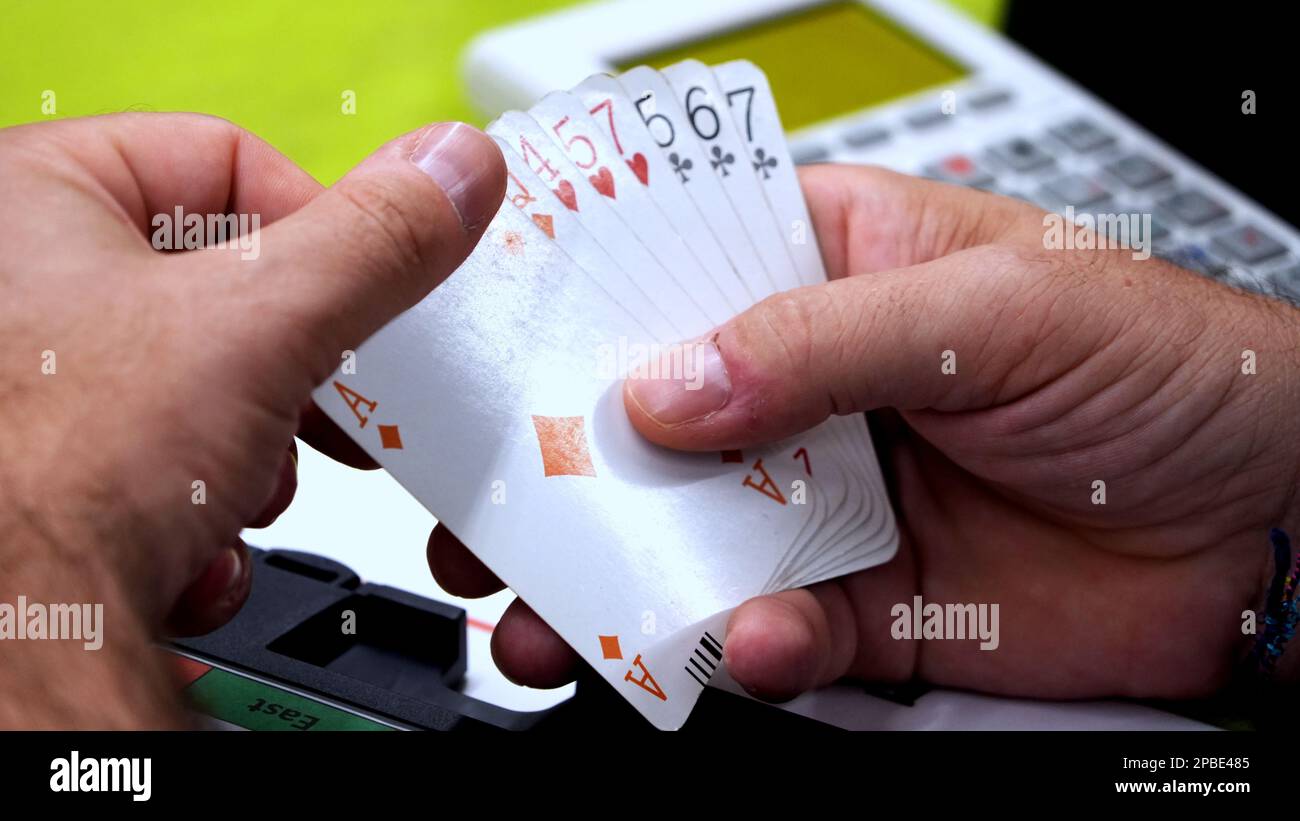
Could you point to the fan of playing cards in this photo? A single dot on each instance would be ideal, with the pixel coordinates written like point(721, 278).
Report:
point(644, 209)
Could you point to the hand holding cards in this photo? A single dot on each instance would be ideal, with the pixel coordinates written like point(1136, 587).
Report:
point(640, 210)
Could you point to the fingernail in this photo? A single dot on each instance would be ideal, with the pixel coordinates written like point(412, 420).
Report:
point(691, 383)
point(459, 158)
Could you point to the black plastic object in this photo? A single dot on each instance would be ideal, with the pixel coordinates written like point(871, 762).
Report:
point(406, 658)
point(404, 661)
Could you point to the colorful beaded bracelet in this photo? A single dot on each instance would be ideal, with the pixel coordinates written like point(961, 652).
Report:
point(1281, 609)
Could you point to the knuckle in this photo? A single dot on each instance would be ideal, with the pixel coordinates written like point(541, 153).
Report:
point(785, 322)
point(1036, 249)
point(805, 336)
point(1012, 270)
point(1017, 277)
point(1007, 259)
point(392, 225)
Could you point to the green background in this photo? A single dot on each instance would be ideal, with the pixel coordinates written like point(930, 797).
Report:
point(278, 69)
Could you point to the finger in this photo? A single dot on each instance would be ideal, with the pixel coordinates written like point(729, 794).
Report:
point(530, 653)
point(286, 485)
point(857, 343)
point(458, 571)
point(148, 164)
point(215, 596)
point(870, 219)
point(319, 431)
point(862, 343)
point(377, 241)
point(781, 645)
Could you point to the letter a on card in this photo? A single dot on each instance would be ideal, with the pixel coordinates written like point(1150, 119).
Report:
point(646, 682)
point(354, 401)
point(767, 487)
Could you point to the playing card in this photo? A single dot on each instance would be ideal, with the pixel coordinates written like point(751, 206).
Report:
point(535, 466)
point(756, 120)
point(497, 400)
point(707, 113)
point(618, 117)
point(571, 128)
point(753, 111)
point(526, 191)
point(666, 122)
point(577, 194)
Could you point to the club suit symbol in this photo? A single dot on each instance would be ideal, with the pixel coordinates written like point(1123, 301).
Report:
point(680, 165)
point(720, 160)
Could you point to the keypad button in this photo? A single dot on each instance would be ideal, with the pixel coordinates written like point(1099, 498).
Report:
point(1138, 227)
point(1076, 190)
point(1082, 135)
point(1291, 274)
point(1020, 154)
point(960, 169)
point(1248, 244)
point(1138, 171)
point(1193, 207)
point(1286, 283)
point(863, 136)
point(1158, 229)
point(993, 98)
point(927, 117)
point(808, 154)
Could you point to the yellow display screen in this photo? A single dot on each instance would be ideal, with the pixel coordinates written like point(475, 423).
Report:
point(824, 61)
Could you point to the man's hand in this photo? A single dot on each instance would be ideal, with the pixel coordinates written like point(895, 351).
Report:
point(1072, 367)
point(130, 374)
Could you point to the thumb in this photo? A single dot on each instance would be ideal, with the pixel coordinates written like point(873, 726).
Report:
point(850, 345)
point(381, 238)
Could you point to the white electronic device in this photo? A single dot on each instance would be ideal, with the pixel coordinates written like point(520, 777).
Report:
point(914, 86)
